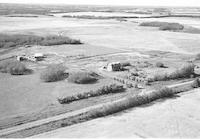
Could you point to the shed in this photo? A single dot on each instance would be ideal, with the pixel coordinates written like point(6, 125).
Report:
point(114, 66)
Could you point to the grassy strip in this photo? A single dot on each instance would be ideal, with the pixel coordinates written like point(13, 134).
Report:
point(113, 88)
point(8, 40)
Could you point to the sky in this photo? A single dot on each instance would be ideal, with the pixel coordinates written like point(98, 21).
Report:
point(186, 3)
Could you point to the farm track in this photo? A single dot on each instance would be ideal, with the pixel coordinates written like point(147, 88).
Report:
point(57, 118)
point(95, 56)
point(123, 51)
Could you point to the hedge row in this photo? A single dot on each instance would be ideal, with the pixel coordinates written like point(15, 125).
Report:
point(129, 102)
point(113, 88)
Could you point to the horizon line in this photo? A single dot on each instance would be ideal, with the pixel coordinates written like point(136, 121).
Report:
point(65, 4)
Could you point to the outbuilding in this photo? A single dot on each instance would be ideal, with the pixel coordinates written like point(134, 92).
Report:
point(114, 66)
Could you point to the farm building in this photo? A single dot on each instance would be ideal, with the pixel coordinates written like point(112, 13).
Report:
point(35, 57)
point(114, 66)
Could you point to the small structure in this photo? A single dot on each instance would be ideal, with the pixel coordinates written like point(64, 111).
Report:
point(34, 58)
point(29, 58)
point(114, 66)
point(39, 56)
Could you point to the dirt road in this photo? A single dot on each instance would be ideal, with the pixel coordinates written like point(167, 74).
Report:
point(178, 117)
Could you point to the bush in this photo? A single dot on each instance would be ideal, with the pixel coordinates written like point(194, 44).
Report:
point(7, 41)
point(159, 64)
point(196, 83)
point(185, 72)
point(53, 73)
point(58, 40)
point(82, 77)
point(153, 24)
point(163, 92)
point(172, 27)
point(160, 77)
point(164, 25)
point(125, 64)
point(113, 88)
point(14, 68)
point(175, 75)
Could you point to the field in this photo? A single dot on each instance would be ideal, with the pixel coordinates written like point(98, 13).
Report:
point(27, 98)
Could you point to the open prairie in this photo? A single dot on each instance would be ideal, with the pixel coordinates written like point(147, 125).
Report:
point(149, 59)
